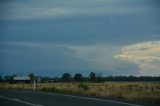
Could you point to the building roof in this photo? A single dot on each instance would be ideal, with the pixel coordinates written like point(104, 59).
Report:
point(21, 78)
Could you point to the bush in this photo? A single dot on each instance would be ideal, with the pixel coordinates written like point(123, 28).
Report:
point(83, 86)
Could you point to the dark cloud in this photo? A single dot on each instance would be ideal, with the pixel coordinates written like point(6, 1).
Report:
point(38, 59)
point(31, 31)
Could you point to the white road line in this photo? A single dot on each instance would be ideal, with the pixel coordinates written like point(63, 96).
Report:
point(20, 101)
point(103, 100)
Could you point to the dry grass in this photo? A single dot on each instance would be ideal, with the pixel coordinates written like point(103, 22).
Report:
point(134, 91)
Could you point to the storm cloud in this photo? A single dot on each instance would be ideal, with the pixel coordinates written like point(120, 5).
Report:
point(115, 37)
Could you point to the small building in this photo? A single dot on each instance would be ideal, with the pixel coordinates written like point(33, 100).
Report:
point(22, 79)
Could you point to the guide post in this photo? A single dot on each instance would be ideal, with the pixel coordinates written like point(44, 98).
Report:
point(34, 85)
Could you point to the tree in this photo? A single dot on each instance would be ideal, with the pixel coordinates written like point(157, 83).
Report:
point(78, 77)
point(1, 79)
point(9, 79)
point(99, 77)
point(66, 77)
point(32, 77)
point(92, 76)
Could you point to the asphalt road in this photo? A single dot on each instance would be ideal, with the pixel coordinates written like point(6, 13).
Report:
point(29, 98)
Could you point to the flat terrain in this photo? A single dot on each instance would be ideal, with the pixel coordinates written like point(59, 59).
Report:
point(145, 92)
point(29, 98)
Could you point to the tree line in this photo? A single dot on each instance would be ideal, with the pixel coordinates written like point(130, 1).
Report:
point(78, 77)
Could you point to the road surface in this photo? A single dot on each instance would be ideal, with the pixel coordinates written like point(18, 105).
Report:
point(29, 98)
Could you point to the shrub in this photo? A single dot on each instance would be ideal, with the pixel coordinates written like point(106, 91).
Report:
point(83, 86)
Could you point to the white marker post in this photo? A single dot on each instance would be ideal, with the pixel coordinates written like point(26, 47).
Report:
point(34, 85)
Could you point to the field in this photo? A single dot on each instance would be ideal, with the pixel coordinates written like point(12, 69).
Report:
point(133, 91)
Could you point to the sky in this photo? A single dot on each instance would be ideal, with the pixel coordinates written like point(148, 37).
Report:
point(51, 37)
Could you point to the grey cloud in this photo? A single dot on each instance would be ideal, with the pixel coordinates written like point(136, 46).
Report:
point(21, 57)
point(39, 59)
point(74, 35)
point(56, 9)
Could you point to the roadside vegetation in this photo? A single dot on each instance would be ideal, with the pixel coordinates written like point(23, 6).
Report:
point(142, 89)
point(133, 91)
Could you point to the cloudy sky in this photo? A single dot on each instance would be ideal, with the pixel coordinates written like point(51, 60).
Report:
point(50, 37)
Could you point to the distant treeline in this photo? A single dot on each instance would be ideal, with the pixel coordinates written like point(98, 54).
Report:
point(78, 77)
